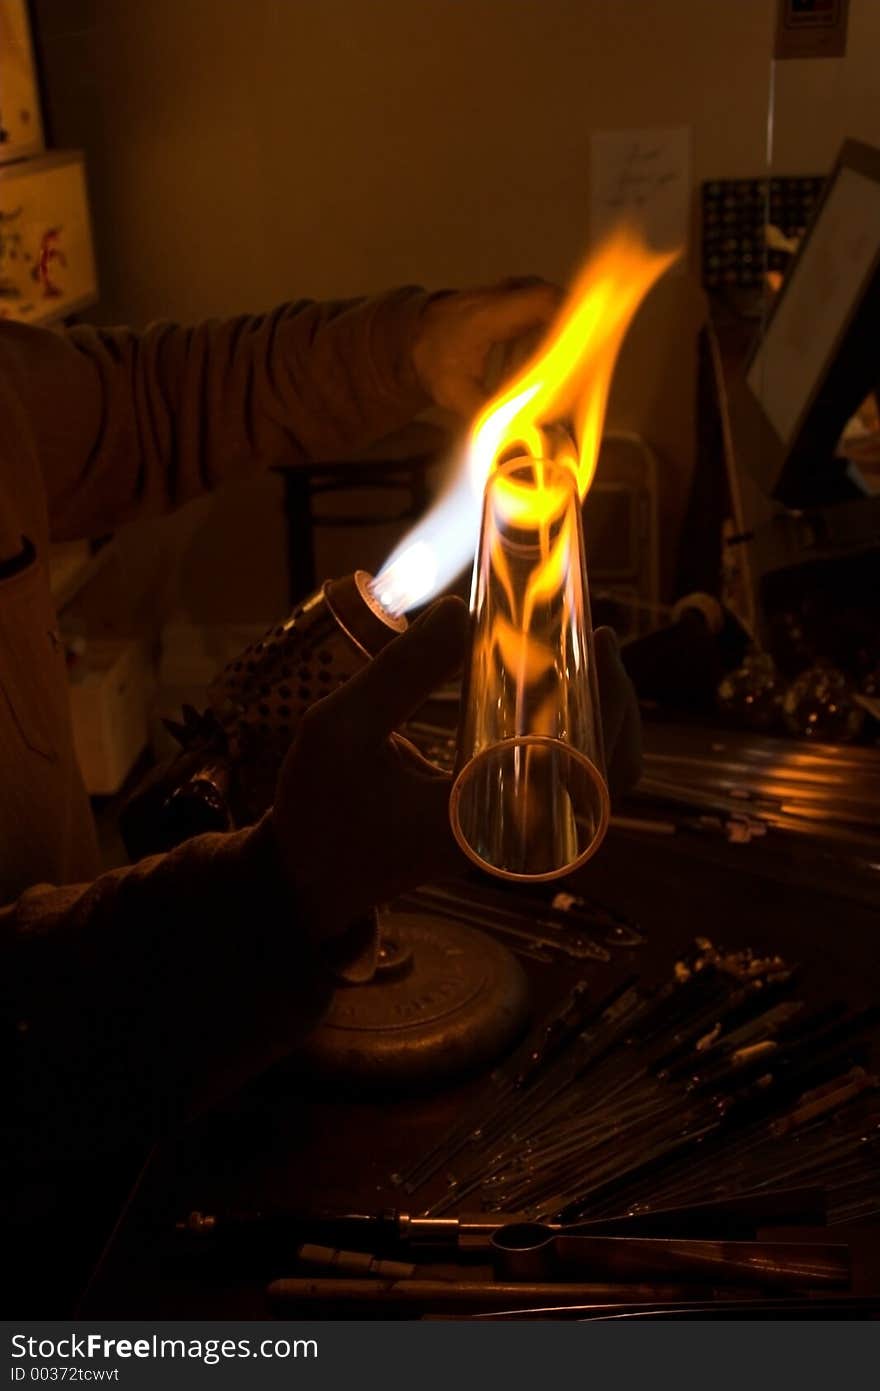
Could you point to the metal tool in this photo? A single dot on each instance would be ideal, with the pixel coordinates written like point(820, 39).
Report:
point(336, 1262)
point(534, 1251)
point(685, 1092)
point(561, 914)
point(469, 1233)
point(458, 1295)
point(523, 934)
point(378, 1230)
point(739, 1218)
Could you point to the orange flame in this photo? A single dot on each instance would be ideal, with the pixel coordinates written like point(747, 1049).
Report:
point(570, 376)
point(564, 386)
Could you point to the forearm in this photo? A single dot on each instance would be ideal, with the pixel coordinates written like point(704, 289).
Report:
point(144, 995)
point(128, 424)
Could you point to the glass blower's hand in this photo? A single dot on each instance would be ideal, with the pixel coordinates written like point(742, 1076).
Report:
point(359, 815)
point(457, 332)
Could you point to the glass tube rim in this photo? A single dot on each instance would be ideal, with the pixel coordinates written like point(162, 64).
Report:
point(560, 474)
point(524, 459)
point(561, 468)
point(520, 740)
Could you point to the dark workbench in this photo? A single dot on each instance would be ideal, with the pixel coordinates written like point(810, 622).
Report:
point(275, 1146)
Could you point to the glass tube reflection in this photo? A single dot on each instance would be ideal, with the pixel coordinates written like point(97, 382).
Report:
point(530, 800)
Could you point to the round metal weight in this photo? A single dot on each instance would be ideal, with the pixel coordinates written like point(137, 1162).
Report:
point(444, 999)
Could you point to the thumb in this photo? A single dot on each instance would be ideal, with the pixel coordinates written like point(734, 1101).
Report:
point(397, 681)
point(510, 313)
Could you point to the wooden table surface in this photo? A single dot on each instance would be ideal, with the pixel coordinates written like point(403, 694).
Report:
point(275, 1146)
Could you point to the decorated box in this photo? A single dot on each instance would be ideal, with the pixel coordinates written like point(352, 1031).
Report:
point(47, 265)
point(21, 132)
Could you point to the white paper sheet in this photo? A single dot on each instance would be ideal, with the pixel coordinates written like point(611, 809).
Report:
point(643, 177)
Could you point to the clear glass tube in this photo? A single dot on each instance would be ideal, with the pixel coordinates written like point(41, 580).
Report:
point(530, 799)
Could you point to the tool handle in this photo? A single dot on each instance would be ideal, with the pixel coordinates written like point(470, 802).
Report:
point(452, 1294)
point(362, 1263)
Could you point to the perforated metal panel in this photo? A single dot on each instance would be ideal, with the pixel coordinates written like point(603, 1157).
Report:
point(260, 698)
point(274, 681)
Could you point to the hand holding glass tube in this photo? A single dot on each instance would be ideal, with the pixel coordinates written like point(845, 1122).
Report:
point(359, 815)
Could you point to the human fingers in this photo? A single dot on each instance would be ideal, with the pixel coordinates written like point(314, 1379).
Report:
point(401, 677)
point(412, 759)
point(507, 312)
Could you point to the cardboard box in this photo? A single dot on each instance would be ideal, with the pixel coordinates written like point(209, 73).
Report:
point(47, 264)
point(21, 131)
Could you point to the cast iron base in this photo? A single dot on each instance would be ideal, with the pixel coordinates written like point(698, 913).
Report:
point(444, 999)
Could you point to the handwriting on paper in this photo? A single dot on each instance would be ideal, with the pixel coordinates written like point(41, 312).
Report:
point(643, 177)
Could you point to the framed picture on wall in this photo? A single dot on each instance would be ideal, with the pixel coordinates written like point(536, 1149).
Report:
point(21, 129)
point(47, 265)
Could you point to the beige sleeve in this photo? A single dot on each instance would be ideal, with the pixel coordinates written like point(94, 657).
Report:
point(127, 425)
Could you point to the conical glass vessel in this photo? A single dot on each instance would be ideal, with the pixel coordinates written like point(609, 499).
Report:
point(530, 799)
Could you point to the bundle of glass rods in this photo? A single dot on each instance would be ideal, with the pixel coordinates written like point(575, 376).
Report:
point(823, 792)
point(721, 1081)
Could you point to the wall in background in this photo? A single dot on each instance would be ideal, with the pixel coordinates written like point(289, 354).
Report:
point(241, 152)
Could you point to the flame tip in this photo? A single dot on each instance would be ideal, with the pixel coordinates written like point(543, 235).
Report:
point(567, 381)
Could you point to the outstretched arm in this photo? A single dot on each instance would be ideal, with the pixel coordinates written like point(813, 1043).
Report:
point(126, 425)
